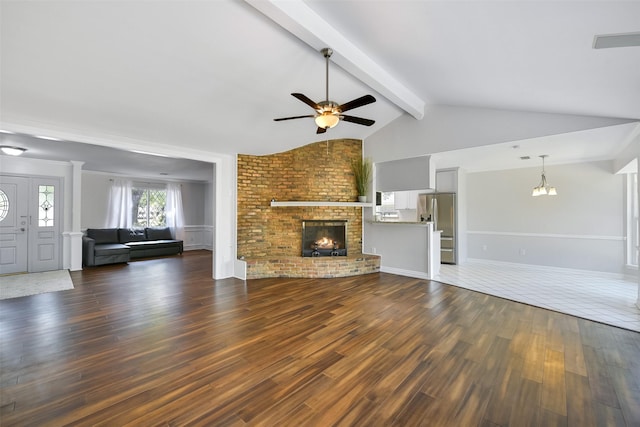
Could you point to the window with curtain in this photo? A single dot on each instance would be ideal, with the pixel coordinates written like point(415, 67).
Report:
point(148, 207)
point(141, 205)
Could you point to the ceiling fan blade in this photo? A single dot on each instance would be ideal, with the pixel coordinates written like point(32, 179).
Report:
point(321, 130)
point(306, 100)
point(363, 100)
point(291, 118)
point(358, 120)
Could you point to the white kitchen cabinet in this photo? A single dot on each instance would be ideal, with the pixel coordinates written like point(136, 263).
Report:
point(405, 199)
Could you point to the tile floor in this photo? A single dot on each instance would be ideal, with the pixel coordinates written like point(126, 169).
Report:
point(602, 297)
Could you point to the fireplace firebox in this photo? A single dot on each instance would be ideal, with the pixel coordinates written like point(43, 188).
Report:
point(324, 238)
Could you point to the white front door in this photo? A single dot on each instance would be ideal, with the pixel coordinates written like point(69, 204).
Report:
point(14, 224)
point(30, 216)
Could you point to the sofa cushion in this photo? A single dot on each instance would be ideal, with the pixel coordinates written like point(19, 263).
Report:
point(151, 243)
point(127, 235)
point(111, 249)
point(158, 233)
point(103, 235)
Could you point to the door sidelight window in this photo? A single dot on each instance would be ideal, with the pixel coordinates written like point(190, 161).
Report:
point(45, 205)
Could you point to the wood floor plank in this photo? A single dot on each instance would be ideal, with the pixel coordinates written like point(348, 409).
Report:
point(574, 354)
point(600, 382)
point(158, 342)
point(533, 367)
point(580, 410)
point(526, 404)
point(554, 395)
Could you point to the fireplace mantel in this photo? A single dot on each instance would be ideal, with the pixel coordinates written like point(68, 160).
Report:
point(320, 203)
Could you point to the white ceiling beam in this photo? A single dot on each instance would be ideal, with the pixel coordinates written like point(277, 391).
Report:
point(300, 20)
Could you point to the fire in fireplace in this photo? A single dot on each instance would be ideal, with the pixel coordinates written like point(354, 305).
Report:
point(324, 238)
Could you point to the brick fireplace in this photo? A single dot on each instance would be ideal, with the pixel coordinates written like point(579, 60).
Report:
point(269, 238)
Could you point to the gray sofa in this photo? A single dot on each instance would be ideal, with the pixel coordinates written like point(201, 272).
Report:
point(114, 245)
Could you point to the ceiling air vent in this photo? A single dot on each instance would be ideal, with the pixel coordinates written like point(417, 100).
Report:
point(525, 158)
point(604, 41)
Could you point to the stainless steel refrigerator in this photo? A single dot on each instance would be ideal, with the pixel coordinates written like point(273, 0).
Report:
point(441, 209)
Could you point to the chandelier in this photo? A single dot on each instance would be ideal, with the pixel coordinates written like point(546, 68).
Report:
point(544, 189)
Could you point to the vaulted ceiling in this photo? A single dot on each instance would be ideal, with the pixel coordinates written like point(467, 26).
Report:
point(210, 76)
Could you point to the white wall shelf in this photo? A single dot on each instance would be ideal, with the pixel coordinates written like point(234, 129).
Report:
point(321, 203)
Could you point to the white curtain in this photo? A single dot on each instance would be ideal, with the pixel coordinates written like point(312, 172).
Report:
point(120, 204)
point(173, 210)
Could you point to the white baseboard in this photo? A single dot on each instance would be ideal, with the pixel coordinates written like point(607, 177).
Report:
point(547, 268)
point(407, 273)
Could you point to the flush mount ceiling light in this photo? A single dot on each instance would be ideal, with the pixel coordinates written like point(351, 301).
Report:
point(12, 151)
point(543, 189)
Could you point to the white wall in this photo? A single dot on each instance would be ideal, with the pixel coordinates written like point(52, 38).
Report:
point(463, 212)
point(193, 201)
point(582, 227)
point(385, 239)
point(95, 189)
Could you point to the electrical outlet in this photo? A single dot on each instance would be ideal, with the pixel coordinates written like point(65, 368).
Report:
point(373, 249)
point(523, 252)
point(484, 248)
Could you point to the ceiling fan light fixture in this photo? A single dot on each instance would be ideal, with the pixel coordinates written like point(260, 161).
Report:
point(327, 120)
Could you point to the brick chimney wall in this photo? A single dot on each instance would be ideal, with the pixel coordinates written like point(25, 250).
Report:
point(316, 172)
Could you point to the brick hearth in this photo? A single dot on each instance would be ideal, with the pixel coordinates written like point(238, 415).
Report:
point(312, 267)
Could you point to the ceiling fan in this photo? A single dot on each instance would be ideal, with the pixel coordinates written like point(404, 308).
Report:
point(329, 113)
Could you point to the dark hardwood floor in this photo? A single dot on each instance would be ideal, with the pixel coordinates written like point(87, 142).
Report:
point(158, 342)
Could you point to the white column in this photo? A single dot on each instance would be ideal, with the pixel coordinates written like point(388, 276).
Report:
point(224, 251)
point(637, 142)
point(75, 236)
point(433, 251)
point(638, 195)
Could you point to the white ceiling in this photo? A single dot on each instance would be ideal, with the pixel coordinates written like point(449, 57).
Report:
point(583, 146)
point(209, 76)
point(112, 161)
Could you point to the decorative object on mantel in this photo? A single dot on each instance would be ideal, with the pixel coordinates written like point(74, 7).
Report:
point(544, 189)
point(361, 168)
